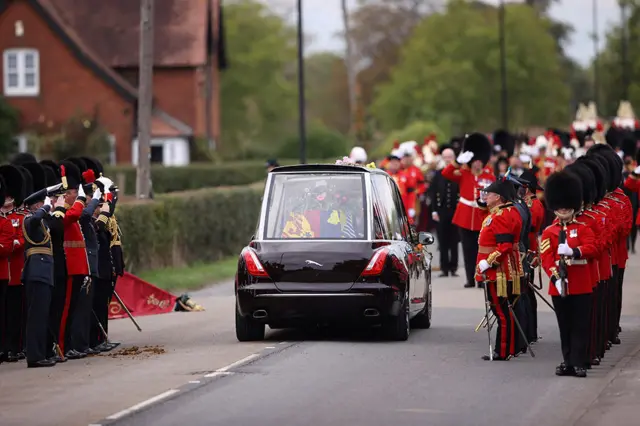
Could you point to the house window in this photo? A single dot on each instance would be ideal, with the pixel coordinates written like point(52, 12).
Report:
point(21, 72)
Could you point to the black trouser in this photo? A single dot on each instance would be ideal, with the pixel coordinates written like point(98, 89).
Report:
point(533, 312)
point(619, 299)
point(612, 305)
point(13, 318)
point(3, 310)
point(103, 289)
point(81, 323)
point(56, 308)
point(522, 309)
point(504, 332)
point(38, 301)
point(593, 326)
point(572, 313)
point(470, 252)
point(601, 295)
point(448, 239)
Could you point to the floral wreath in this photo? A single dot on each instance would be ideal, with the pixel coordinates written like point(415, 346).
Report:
point(346, 161)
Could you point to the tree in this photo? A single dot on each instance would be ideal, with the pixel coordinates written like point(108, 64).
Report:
point(449, 72)
point(327, 98)
point(258, 99)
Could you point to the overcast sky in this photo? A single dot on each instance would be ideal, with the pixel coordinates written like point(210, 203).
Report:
point(323, 20)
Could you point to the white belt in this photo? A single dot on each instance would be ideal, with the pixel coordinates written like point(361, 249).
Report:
point(468, 202)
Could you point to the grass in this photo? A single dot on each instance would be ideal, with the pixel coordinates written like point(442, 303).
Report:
point(192, 277)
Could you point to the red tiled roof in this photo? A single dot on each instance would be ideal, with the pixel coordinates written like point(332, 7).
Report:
point(112, 29)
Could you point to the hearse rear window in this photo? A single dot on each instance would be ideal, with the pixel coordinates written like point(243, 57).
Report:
point(316, 206)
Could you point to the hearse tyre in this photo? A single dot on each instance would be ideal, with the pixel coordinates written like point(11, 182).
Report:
point(248, 329)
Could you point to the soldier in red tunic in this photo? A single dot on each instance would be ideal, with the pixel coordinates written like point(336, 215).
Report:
point(566, 247)
point(76, 259)
point(472, 175)
point(498, 262)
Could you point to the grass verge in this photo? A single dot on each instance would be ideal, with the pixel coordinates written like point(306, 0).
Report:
point(194, 277)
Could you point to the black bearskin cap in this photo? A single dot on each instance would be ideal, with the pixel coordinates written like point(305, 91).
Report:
point(506, 140)
point(600, 174)
point(55, 167)
point(23, 158)
point(565, 138)
point(14, 183)
point(503, 188)
point(27, 183)
point(50, 176)
point(38, 176)
point(72, 174)
point(563, 190)
point(612, 160)
point(79, 162)
point(94, 164)
point(584, 173)
point(613, 136)
point(480, 145)
point(629, 145)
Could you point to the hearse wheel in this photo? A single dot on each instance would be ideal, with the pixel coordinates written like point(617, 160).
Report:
point(423, 319)
point(248, 329)
point(398, 328)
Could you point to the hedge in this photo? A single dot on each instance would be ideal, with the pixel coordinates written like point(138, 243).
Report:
point(196, 176)
point(182, 228)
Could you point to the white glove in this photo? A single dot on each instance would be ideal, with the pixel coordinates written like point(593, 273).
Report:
point(636, 171)
point(483, 265)
point(106, 182)
point(81, 192)
point(565, 250)
point(620, 154)
point(559, 285)
point(435, 216)
point(16, 243)
point(97, 194)
point(411, 212)
point(465, 157)
point(47, 201)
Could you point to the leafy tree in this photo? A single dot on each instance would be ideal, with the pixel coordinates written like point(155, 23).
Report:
point(258, 101)
point(322, 142)
point(8, 128)
point(450, 72)
point(415, 131)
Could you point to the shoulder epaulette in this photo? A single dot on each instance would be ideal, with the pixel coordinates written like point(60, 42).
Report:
point(588, 215)
point(614, 199)
point(579, 223)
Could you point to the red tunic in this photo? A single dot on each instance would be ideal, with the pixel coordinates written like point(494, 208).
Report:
point(626, 223)
point(74, 245)
point(6, 246)
point(594, 222)
point(605, 241)
point(468, 214)
point(416, 174)
point(537, 220)
point(498, 245)
point(16, 261)
point(578, 270)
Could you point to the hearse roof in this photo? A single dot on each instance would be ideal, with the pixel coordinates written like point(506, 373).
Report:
point(323, 168)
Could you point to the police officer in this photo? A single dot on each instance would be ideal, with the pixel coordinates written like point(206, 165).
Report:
point(498, 263)
point(444, 194)
point(566, 247)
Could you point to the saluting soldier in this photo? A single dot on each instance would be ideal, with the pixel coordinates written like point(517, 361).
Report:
point(566, 247)
point(472, 175)
point(444, 194)
point(498, 262)
point(6, 248)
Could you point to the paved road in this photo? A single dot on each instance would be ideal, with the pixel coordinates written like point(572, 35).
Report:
point(436, 378)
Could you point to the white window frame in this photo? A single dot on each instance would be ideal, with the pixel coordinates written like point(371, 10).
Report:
point(22, 89)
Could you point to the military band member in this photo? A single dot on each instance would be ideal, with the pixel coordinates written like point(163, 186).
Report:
point(472, 175)
point(498, 263)
point(566, 247)
point(444, 194)
point(6, 248)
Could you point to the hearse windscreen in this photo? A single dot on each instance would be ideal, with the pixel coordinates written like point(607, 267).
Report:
point(316, 206)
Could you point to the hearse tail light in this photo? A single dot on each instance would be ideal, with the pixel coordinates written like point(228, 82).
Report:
point(376, 264)
point(254, 267)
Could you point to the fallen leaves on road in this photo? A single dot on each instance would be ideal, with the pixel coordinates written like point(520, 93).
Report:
point(137, 352)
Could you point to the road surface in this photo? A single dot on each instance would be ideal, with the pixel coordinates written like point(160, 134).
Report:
point(206, 377)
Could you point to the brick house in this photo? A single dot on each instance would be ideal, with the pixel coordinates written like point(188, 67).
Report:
point(62, 57)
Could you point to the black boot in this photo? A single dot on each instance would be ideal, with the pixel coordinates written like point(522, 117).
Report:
point(563, 370)
point(41, 363)
point(581, 372)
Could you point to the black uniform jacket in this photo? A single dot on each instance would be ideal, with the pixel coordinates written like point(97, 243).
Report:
point(444, 196)
point(38, 264)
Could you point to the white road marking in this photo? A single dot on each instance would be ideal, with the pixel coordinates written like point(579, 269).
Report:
point(237, 363)
point(270, 347)
point(195, 382)
point(282, 343)
point(143, 404)
point(218, 374)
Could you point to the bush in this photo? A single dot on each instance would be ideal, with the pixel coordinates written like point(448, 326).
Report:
point(183, 228)
point(9, 122)
point(416, 131)
point(322, 142)
point(197, 176)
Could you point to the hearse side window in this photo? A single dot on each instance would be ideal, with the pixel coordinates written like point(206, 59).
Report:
point(316, 206)
point(402, 215)
point(384, 190)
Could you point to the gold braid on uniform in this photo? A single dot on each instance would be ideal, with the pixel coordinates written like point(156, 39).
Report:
point(114, 230)
point(492, 258)
point(545, 245)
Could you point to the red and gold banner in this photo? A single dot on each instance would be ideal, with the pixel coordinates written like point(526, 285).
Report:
point(140, 297)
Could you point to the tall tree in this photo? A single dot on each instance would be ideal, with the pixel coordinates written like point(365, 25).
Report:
point(327, 91)
point(449, 72)
point(258, 99)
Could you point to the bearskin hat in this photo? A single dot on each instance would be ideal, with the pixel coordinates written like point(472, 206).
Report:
point(50, 176)
point(14, 183)
point(38, 175)
point(71, 173)
point(54, 166)
point(28, 183)
point(563, 190)
point(584, 173)
point(480, 145)
point(629, 145)
point(95, 167)
point(565, 137)
point(613, 136)
point(505, 140)
point(614, 162)
point(22, 158)
point(600, 174)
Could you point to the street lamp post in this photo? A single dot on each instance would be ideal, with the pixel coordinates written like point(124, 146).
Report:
point(596, 74)
point(301, 106)
point(624, 49)
point(503, 67)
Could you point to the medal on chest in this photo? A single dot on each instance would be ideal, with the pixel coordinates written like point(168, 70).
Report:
point(15, 222)
point(573, 233)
